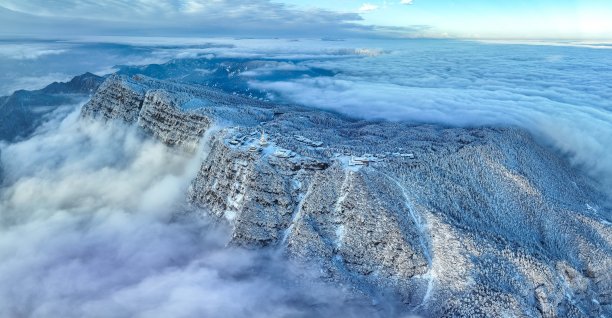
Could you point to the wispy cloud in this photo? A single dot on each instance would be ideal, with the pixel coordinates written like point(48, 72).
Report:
point(30, 51)
point(32, 82)
point(368, 7)
point(194, 17)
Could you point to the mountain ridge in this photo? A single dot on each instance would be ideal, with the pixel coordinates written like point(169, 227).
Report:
point(431, 215)
point(24, 110)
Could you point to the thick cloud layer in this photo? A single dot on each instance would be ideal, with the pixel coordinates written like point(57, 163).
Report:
point(168, 17)
point(91, 225)
point(93, 220)
point(563, 94)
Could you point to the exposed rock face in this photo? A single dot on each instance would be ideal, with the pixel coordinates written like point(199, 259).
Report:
point(116, 99)
point(453, 222)
point(155, 111)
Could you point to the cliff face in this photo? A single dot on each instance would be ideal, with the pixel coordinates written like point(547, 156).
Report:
point(155, 111)
point(469, 222)
point(116, 99)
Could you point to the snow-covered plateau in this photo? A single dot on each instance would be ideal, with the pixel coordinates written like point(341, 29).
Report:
point(478, 222)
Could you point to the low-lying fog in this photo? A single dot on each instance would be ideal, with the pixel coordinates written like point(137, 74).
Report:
point(92, 225)
point(91, 215)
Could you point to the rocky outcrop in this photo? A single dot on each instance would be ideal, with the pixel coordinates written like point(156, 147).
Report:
point(452, 222)
point(156, 111)
point(116, 99)
point(160, 116)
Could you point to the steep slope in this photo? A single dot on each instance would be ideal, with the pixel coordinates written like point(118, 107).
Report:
point(452, 222)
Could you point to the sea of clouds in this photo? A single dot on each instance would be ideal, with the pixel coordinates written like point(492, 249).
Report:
point(93, 220)
point(94, 223)
point(560, 93)
point(34, 64)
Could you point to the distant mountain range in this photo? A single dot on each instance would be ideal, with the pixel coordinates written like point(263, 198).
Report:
point(23, 111)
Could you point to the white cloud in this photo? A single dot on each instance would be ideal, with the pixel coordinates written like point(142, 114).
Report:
point(88, 229)
point(193, 6)
point(406, 2)
point(168, 17)
point(30, 51)
point(32, 82)
point(564, 101)
point(368, 7)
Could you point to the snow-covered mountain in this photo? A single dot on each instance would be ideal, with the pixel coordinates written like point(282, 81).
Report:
point(481, 222)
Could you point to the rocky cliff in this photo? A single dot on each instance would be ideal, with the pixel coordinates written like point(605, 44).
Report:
point(451, 221)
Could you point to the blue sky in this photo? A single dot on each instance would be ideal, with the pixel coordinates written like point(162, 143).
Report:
point(480, 19)
point(533, 19)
